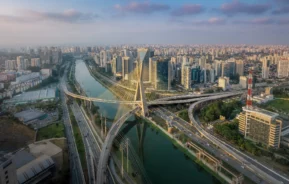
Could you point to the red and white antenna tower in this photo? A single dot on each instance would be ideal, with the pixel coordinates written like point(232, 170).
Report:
point(249, 94)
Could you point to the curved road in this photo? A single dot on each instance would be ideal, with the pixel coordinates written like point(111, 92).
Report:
point(106, 147)
point(264, 172)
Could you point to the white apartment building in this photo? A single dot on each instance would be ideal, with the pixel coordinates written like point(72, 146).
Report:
point(283, 68)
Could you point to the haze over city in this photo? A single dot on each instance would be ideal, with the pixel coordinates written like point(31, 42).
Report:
point(38, 22)
point(144, 91)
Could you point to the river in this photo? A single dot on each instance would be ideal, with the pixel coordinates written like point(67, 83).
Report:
point(163, 163)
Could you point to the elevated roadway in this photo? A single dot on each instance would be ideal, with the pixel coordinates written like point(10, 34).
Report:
point(106, 147)
point(262, 171)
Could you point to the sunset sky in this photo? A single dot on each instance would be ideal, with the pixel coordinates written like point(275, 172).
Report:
point(64, 22)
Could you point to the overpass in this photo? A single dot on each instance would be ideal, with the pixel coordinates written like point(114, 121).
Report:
point(93, 99)
point(106, 147)
point(251, 164)
point(164, 101)
point(190, 96)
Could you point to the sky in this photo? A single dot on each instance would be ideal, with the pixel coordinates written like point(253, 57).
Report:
point(106, 22)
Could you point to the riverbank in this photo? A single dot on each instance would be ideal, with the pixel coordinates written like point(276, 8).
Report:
point(175, 142)
point(186, 151)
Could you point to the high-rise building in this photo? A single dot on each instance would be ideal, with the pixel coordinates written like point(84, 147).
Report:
point(218, 68)
point(240, 67)
point(228, 68)
point(196, 73)
point(10, 65)
point(21, 65)
point(103, 58)
point(243, 81)
point(143, 56)
point(260, 126)
point(35, 62)
point(212, 75)
point(223, 82)
point(160, 73)
point(127, 67)
point(118, 64)
point(186, 76)
point(283, 68)
point(202, 62)
point(265, 68)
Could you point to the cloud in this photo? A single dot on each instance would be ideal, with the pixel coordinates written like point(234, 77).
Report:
point(68, 16)
point(142, 8)
point(283, 22)
point(211, 21)
point(237, 7)
point(281, 1)
point(188, 9)
point(258, 21)
point(281, 10)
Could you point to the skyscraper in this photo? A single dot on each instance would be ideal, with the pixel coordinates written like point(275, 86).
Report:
point(20, 63)
point(265, 68)
point(202, 62)
point(126, 68)
point(196, 72)
point(218, 68)
point(186, 76)
point(240, 67)
point(143, 56)
point(160, 73)
point(35, 62)
point(228, 68)
point(103, 58)
point(10, 65)
point(283, 68)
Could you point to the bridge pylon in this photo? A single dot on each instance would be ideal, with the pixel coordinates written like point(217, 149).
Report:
point(140, 92)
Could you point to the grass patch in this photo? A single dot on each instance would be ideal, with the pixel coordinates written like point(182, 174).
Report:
point(278, 104)
point(79, 142)
point(55, 130)
point(184, 115)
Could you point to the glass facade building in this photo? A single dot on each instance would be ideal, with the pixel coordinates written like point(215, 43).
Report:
point(143, 56)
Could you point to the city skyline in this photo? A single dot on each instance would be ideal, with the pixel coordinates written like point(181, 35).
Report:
point(148, 22)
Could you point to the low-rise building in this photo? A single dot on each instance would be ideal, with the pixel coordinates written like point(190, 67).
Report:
point(49, 94)
point(30, 115)
point(35, 164)
point(45, 73)
point(262, 98)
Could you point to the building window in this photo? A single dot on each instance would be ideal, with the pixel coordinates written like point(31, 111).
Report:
point(6, 177)
point(6, 172)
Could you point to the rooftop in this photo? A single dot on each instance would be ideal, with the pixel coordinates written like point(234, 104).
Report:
point(44, 147)
point(29, 115)
point(33, 168)
point(261, 111)
point(33, 96)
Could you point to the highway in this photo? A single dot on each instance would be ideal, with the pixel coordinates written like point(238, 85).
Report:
point(75, 165)
point(106, 147)
point(92, 148)
point(193, 134)
point(251, 164)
